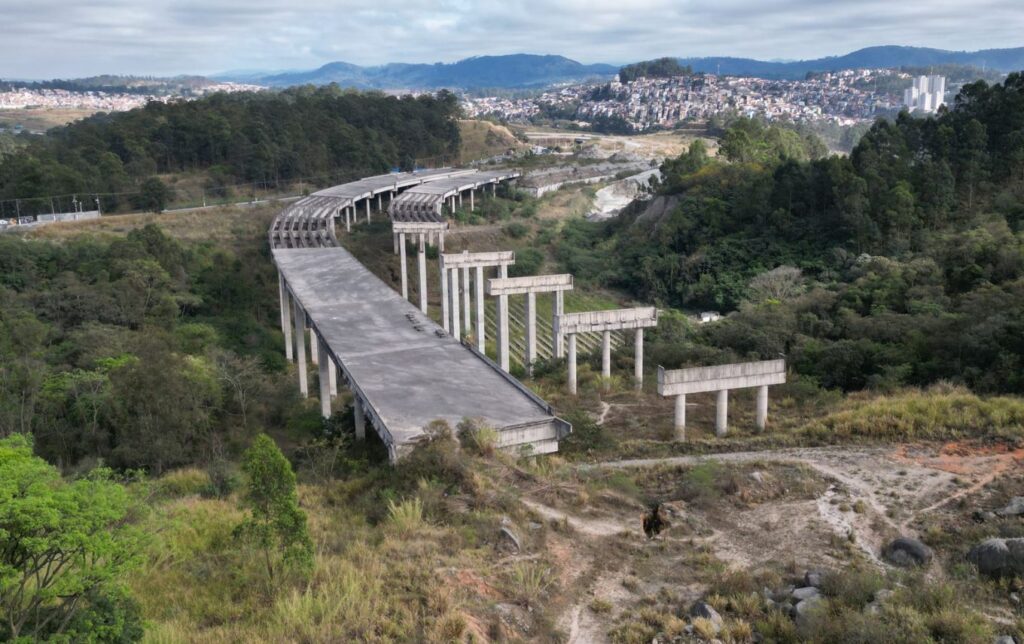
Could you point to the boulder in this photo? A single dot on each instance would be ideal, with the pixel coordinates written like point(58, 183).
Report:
point(805, 606)
point(813, 578)
point(998, 557)
point(702, 609)
point(1014, 508)
point(1005, 639)
point(806, 592)
point(509, 540)
point(907, 551)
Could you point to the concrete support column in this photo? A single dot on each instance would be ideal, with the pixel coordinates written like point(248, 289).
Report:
point(440, 241)
point(394, 237)
point(722, 413)
point(472, 204)
point(460, 199)
point(480, 309)
point(325, 379)
point(762, 407)
point(405, 273)
point(680, 423)
point(494, 189)
point(333, 379)
point(348, 220)
point(466, 301)
point(380, 202)
point(360, 418)
point(367, 210)
point(314, 352)
point(638, 359)
point(606, 356)
point(558, 309)
point(503, 332)
point(531, 331)
point(572, 363)
point(456, 325)
point(286, 321)
point(444, 297)
point(300, 346)
point(421, 260)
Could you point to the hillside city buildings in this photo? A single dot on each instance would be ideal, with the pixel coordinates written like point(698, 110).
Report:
point(927, 94)
point(843, 97)
point(100, 101)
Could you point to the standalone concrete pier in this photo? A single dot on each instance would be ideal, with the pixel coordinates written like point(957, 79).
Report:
point(569, 324)
point(465, 261)
point(502, 287)
point(680, 420)
point(721, 379)
point(419, 231)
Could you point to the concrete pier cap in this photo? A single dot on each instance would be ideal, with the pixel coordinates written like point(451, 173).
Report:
point(720, 379)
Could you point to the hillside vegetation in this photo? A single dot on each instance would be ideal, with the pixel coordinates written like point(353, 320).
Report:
point(899, 264)
point(320, 135)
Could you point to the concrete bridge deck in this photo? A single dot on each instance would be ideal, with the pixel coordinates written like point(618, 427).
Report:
point(404, 370)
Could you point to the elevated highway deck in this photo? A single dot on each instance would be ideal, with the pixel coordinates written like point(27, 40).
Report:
point(403, 368)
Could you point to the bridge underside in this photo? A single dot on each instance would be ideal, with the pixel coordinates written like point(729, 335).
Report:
point(404, 369)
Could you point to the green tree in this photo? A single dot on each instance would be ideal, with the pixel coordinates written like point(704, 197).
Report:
point(63, 548)
point(153, 195)
point(275, 524)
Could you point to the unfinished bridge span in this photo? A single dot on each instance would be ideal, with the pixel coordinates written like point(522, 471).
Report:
point(404, 371)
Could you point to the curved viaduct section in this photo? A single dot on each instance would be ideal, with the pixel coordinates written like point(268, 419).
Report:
point(404, 370)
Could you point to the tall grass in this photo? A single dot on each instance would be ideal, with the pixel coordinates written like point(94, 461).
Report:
point(938, 413)
point(406, 517)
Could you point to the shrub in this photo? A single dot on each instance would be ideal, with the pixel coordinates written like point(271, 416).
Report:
point(516, 230)
point(406, 517)
point(184, 482)
point(528, 581)
point(477, 437)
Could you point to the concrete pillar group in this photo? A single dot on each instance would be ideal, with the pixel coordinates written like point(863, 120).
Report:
point(722, 413)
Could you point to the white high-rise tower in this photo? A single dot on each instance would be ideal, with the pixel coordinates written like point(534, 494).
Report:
point(927, 94)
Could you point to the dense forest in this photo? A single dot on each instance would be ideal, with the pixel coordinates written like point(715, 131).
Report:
point(901, 263)
point(139, 352)
point(267, 137)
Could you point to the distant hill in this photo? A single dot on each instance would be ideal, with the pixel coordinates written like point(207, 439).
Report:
point(512, 71)
point(1005, 60)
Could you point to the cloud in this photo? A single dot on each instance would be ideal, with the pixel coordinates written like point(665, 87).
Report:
point(61, 38)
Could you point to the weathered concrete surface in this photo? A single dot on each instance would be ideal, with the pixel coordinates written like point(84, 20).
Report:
point(614, 320)
point(529, 284)
point(727, 376)
point(405, 370)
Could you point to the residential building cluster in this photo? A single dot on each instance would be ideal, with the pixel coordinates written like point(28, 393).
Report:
point(844, 97)
point(927, 94)
point(25, 97)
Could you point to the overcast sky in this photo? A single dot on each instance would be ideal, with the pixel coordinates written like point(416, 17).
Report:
point(67, 38)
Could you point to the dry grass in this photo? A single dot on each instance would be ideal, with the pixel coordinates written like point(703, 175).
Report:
point(482, 140)
point(941, 412)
